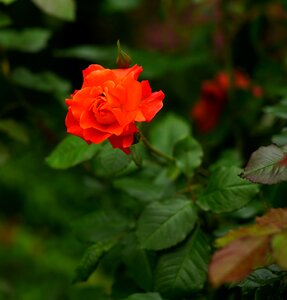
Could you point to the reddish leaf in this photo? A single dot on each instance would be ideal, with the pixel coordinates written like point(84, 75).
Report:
point(234, 262)
point(254, 230)
point(267, 165)
point(276, 217)
point(283, 162)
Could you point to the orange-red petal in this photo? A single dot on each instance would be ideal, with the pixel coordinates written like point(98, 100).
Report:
point(72, 124)
point(134, 71)
point(151, 106)
point(95, 136)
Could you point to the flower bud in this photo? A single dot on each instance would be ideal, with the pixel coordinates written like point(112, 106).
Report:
point(123, 59)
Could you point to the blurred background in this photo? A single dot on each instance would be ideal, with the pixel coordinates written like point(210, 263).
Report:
point(183, 46)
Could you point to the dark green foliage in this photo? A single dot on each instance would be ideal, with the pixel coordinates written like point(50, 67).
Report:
point(142, 226)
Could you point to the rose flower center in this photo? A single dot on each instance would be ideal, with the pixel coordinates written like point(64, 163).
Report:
point(102, 112)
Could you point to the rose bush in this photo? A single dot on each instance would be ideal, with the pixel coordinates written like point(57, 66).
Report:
point(108, 105)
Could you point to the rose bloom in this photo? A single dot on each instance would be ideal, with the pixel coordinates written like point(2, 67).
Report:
point(108, 105)
point(214, 95)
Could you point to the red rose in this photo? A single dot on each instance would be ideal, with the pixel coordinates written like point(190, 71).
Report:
point(108, 105)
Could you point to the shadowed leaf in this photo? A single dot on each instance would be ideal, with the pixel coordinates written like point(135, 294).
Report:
point(101, 225)
point(14, 130)
point(262, 277)
point(140, 189)
point(45, 82)
point(91, 260)
point(110, 162)
point(139, 263)
point(167, 132)
point(279, 110)
point(188, 155)
point(184, 269)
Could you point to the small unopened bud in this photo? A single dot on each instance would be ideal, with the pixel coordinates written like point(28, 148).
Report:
point(123, 59)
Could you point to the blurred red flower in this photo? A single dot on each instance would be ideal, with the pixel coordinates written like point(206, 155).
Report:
point(213, 97)
point(108, 105)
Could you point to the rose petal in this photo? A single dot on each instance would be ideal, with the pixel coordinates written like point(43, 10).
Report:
point(72, 125)
point(98, 78)
point(150, 106)
point(92, 68)
point(94, 135)
point(146, 89)
point(134, 95)
point(125, 140)
point(134, 71)
point(123, 117)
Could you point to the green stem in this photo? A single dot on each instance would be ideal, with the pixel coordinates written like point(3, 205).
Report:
point(154, 150)
point(189, 188)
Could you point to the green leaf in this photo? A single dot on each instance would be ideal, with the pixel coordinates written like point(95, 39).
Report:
point(279, 249)
point(279, 110)
point(110, 162)
point(27, 40)
point(14, 130)
point(165, 224)
point(280, 139)
point(264, 165)
point(139, 263)
point(90, 53)
point(140, 189)
point(101, 225)
point(226, 191)
point(146, 296)
point(70, 152)
point(184, 269)
point(261, 277)
point(188, 154)
point(63, 9)
point(167, 132)
point(91, 259)
point(45, 82)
